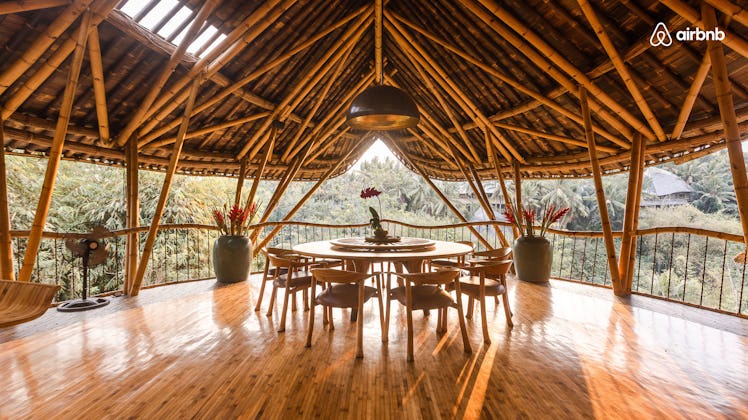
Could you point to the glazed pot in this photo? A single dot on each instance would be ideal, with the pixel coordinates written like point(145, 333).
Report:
point(533, 257)
point(232, 258)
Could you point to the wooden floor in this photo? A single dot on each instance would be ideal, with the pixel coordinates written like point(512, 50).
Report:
point(197, 350)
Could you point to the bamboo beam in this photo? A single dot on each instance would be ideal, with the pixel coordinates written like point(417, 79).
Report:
point(486, 203)
point(165, 107)
point(554, 137)
point(304, 199)
point(519, 86)
point(693, 93)
point(145, 143)
point(45, 39)
point(417, 53)
point(170, 171)
point(615, 277)
point(19, 6)
point(623, 71)
point(517, 186)
point(504, 192)
point(55, 154)
point(97, 73)
point(240, 182)
point(628, 230)
point(50, 64)
point(738, 13)
point(438, 192)
point(166, 72)
point(378, 9)
point(723, 90)
point(529, 43)
point(635, 226)
point(6, 244)
point(325, 145)
point(733, 40)
point(261, 169)
point(132, 244)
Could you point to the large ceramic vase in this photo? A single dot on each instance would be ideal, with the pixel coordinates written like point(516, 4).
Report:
point(232, 257)
point(533, 257)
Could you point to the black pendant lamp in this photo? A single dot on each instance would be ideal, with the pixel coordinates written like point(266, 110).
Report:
point(382, 107)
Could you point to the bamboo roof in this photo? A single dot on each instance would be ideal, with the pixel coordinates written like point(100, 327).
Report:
point(483, 73)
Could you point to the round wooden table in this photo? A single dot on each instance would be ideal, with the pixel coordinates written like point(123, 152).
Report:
point(362, 258)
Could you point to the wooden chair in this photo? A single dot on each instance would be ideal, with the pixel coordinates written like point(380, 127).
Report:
point(497, 254)
point(270, 272)
point(423, 291)
point(293, 276)
point(488, 279)
point(344, 289)
point(22, 301)
point(451, 262)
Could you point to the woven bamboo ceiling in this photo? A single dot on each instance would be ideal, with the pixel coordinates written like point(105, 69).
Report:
point(488, 77)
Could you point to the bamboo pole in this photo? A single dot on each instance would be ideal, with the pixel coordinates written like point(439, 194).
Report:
point(240, 182)
point(554, 137)
point(539, 53)
point(55, 153)
point(517, 187)
point(378, 9)
point(634, 189)
point(621, 68)
point(133, 215)
point(19, 6)
point(166, 107)
point(46, 38)
point(733, 40)
point(487, 203)
point(325, 145)
point(519, 86)
point(693, 93)
point(615, 277)
point(97, 73)
point(170, 171)
point(723, 90)
point(6, 244)
point(306, 82)
point(441, 195)
point(304, 199)
point(738, 13)
point(419, 54)
point(504, 192)
point(50, 64)
point(166, 71)
point(635, 225)
point(148, 142)
point(261, 170)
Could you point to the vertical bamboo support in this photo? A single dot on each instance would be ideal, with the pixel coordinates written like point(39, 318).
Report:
point(634, 190)
point(171, 170)
point(483, 198)
point(55, 153)
point(729, 119)
point(635, 225)
point(6, 244)
point(517, 186)
point(504, 191)
point(261, 170)
point(97, 71)
point(133, 215)
point(600, 193)
point(240, 182)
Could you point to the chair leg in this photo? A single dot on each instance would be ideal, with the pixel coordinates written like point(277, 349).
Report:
point(386, 327)
point(285, 309)
point(444, 319)
point(360, 324)
point(311, 326)
point(331, 325)
point(272, 300)
point(259, 298)
point(463, 327)
point(381, 308)
point(410, 334)
point(293, 305)
point(439, 320)
point(507, 311)
point(496, 299)
point(484, 321)
point(306, 300)
point(470, 308)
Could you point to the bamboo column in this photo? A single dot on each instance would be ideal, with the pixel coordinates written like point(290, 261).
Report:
point(729, 120)
point(170, 171)
point(601, 203)
point(473, 179)
point(97, 73)
point(6, 243)
point(261, 169)
point(240, 182)
point(693, 93)
point(517, 187)
point(441, 195)
point(631, 211)
point(504, 192)
point(635, 226)
point(133, 215)
point(304, 199)
point(55, 153)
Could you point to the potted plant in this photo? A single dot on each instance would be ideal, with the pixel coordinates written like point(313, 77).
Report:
point(232, 251)
point(532, 253)
point(375, 222)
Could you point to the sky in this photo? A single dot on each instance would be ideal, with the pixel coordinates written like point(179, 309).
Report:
point(377, 149)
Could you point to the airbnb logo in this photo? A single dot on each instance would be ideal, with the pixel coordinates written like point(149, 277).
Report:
point(661, 35)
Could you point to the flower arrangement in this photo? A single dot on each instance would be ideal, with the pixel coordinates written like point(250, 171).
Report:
point(374, 222)
point(235, 221)
point(526, 222)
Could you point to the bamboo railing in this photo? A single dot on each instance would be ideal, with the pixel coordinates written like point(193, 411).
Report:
point(687, 265)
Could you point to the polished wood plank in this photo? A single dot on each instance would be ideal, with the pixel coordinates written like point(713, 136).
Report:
point(200, 350)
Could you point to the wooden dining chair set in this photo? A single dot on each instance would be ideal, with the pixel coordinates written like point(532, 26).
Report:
point(479, 276)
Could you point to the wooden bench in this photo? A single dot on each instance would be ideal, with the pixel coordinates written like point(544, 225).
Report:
point(22, 301)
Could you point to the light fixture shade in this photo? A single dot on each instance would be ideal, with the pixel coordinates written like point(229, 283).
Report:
point(383, 107)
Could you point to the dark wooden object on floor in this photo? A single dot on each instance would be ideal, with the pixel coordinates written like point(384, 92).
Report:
point(488, 279)
point(297, 278)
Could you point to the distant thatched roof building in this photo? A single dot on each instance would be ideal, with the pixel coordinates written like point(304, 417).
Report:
point(663, 188)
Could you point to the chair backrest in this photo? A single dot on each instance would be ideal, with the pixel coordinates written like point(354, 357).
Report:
point(503, 253)
point(492, 269)
point(276, 251)
point(329, 275)
point(432, 277)
point(283, 262)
